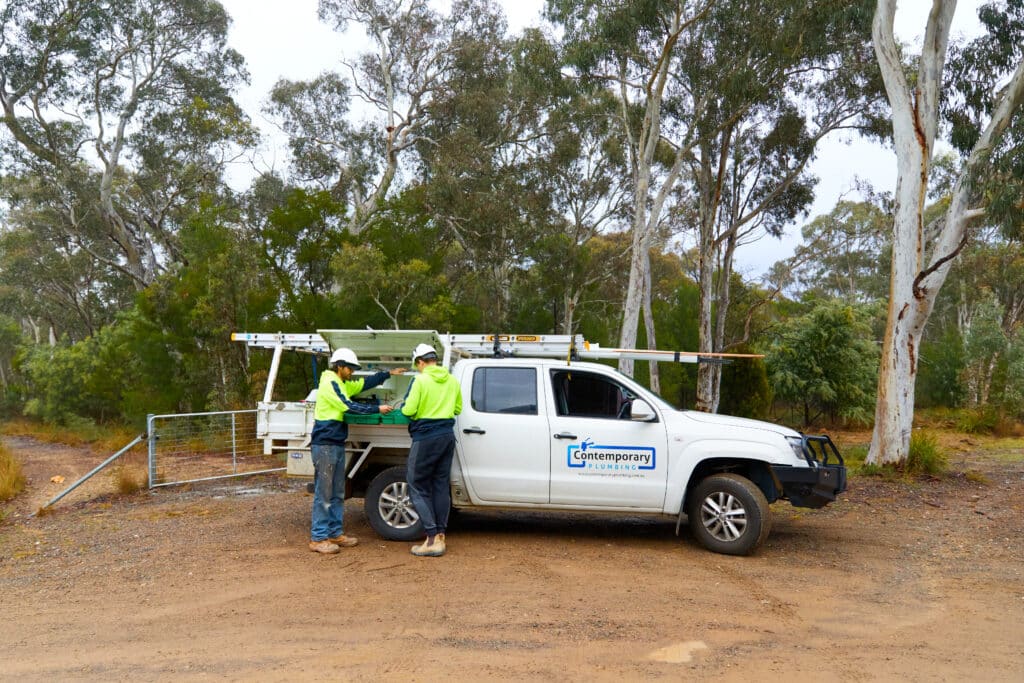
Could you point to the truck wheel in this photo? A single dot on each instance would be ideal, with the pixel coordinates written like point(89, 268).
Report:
point(728, 514)
point(389, 508)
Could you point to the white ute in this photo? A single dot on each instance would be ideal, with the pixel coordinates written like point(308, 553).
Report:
point(542, 430)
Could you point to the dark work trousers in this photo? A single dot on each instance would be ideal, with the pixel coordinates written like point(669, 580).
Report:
point(428, 473)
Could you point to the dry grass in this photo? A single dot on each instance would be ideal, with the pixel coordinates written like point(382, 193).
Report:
point(939, 444)
point(99, 438)
point(976, 477)
point(131, 475)
point(12, 479)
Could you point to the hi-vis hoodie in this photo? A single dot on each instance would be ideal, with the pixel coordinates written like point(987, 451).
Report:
point(334, 399)
point(433, 401)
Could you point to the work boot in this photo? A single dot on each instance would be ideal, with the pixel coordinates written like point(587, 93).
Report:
point(344, 541)
point(324, 547)
point(428, 549)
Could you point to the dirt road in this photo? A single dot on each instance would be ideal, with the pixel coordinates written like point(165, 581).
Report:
point(914, 582)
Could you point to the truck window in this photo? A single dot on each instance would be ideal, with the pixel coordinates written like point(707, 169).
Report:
point(505, 390)
point(585, 394)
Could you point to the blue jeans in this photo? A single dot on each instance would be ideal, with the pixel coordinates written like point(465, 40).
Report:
point(328, 491)
point(429, 473)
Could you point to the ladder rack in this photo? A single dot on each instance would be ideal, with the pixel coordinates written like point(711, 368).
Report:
point(303, 343)
point(390, 347)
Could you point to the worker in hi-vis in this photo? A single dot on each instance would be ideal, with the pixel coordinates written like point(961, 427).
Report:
point(333, 400)
point(433, 401)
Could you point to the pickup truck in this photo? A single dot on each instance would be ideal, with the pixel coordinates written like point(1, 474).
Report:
point(539, 433)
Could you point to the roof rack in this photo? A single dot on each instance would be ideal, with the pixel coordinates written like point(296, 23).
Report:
point(391, 347)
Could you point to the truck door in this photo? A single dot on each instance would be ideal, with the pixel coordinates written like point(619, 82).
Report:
point(599, 456)
point(503, 437)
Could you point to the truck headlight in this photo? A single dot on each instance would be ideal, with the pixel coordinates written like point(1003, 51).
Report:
point(797, 444)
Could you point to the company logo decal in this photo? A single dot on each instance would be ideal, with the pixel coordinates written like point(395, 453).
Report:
point(591, 456)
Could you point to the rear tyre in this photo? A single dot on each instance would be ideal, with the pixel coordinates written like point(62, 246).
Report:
point(389, 509)
point(729, 514)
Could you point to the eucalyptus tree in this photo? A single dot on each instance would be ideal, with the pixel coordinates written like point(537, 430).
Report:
point(126, 103)
point(47, 283)
point(779, 89)
point(581, 164)
point(488, 164)
point(722, 104)
point(982, 99)
point(392, 85)
point(844, 253)
point(298, 232)
point(631, 49)
point(11, 336)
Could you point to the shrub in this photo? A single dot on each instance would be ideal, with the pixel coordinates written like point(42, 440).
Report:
point(978, 421)
point(925, 456)
point(827, 362)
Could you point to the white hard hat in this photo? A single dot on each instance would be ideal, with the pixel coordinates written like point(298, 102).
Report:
point(346, 356)
point(423, 351)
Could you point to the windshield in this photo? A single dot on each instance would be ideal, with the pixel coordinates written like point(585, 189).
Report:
point(662, 402)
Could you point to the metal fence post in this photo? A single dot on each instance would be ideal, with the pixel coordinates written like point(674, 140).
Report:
point(152, 449)
point(234, 446)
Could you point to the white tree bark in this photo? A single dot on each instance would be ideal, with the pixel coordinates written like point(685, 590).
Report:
point(646, 210)
point(920, 260)
point(652, 342)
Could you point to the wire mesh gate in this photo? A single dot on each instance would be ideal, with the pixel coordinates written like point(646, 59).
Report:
point(191, 447)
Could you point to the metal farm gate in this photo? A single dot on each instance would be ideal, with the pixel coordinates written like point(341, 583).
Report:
point(192, 447)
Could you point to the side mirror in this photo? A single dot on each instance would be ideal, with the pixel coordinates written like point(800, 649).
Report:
point(641, 411)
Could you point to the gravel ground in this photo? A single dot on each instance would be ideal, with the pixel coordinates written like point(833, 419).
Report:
point(912, 581)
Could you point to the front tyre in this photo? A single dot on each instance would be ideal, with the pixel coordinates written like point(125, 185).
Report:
point(729, 514)
point(389, 509)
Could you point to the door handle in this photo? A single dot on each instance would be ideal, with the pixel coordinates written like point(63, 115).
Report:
point(473, 430)
point(565, 435)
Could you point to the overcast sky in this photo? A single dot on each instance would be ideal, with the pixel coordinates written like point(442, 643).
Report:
point(286, 40)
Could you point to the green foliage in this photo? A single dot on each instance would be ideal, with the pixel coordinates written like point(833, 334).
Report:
point(973, 348)
point(846, 253)
point(940, 370)
point(58, 377)
point(978, 420)
point(171, 352)
point(985, 342)
point(12, 389)
point(854, 456)
point(47, 275)
point(180, 333)
point(827, 362)
point(297, 233)
point(150, 87)
point(745, 388)
point(975, 70)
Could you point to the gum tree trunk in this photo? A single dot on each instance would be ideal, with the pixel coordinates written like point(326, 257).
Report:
point(920, 259)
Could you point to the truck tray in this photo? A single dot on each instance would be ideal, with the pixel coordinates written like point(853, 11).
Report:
point(395, 417)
